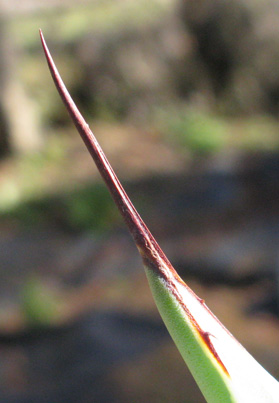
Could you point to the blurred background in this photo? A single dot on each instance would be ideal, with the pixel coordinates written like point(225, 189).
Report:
point(183, 96)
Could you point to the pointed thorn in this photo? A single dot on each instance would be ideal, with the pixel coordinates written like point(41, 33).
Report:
point(151, 253)
point(147, 245)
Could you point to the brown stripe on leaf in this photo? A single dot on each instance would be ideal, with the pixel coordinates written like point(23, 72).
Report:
point(152, 255)
point(205, 336)
point(169, 274)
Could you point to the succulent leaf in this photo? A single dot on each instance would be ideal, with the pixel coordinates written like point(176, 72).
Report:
point(222, 368)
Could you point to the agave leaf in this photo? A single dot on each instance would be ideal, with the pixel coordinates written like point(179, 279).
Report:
point(222, 368)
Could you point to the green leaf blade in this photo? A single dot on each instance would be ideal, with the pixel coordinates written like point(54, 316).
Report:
point(223, 369)
point(212, 382)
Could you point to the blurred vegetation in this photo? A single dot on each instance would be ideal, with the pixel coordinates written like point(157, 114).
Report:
point(207, 133)
point(71, 23)
point(39, 306)
point(196, 132)
point(199, 79)
point(85, 209)
point(123, 60)
point(67, 30)
point(142, 62)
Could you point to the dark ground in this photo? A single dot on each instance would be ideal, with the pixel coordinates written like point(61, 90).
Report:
point(101, 339)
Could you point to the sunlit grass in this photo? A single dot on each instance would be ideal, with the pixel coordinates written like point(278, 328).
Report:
point(207, 133)
point(199, 133)
point(70, 23)
point(35, 176)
